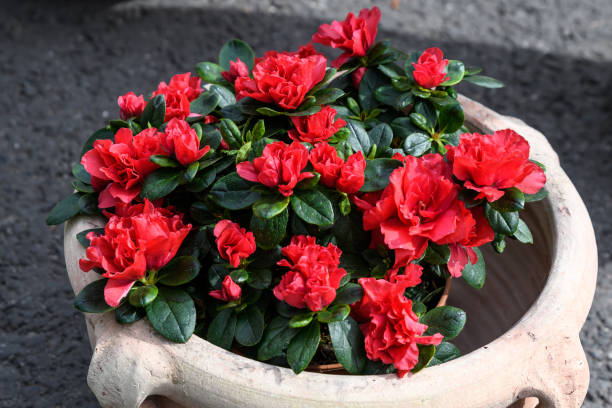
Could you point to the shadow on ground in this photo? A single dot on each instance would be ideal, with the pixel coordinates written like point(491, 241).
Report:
point(63, 66)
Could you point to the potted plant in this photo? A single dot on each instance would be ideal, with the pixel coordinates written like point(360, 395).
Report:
point(314, 218)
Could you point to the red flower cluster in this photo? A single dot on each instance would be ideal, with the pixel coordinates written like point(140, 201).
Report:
point(182, 89)
point(140, 237)
point(430, 68)
point(390, 327)
point(283, 78)
point(182, 141)
point(420, 204)
point(237, 69)
point(279, 165)
point(490, 163)
point(229, 291)
point(346, 177)
point(130, 105)
point(118, 169)
point(317, 127)
point(233, 242)
point(355, 35)
point(314, 274)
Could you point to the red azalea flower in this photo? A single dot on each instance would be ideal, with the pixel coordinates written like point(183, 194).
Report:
point(491, 163)
point(182, 89)
point(237, 69)
point(430, 69)
point(314, 274)
point(182, 141)
point(119, 168)
point(327, 163)
point(130, 105)
point(420, 203)
point(279, 165)
point(352, 175)
point(283, 78)
point(142, 238)
point(229, 291)
point(390, 327)
point(233, 242)
point(355, 35)
point(317, 127)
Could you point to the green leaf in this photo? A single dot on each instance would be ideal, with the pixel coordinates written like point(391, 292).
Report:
point(499, 243)
point(347, 340)
point(211, 136)
point(455, 72)
point(504, 223)
point(154, 112)
point(437, 254)
point(190, 172)
point(512, 200)
point(451, 118)
point(259, 278)
point(388, 95)
point(417, 144)
point(126, 313)
point(250, 326)
point(202, 214)
point(543, 193)
point(79, 172)
point(222, 329)
point(301, 319)
point(469, 71)
point(445, 351)
point(81, 236)
point(164, 161)
point(205, 103)
point(143, 295)
point(179, 271)
point(313, 207)
point(421, 122)
point(327, 95)
point(82, 187)
point(160, 183)
point(484, 81)
point(522, 233)
point(276, 338)
point(269, 232)
point(270, 206)
point(426, 354)
point(475, 274)
point(446, 320)
point(234, 49)
point(239, 275)
point(88, 204)
point(91, 298)
point(335, 313)
point(172, 314)
point(100, 134)
point(202, 180)
point(226, 97)
point(377, 173)
point(428, 110)
point(419, 308)
point(303, 347)
point(348, 294)
point(216, 274)
point(358, 139)
point(233, 192)
point(230, 133)
point(372, 79)
point(64, 210)
point(381, 135)
point(210, 72)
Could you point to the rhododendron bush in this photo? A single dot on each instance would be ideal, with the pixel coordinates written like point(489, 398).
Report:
point(299, 211)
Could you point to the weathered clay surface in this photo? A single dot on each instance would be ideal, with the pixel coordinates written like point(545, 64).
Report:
point(521, 339)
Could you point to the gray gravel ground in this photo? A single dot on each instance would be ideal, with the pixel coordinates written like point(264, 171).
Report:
point(62, 65)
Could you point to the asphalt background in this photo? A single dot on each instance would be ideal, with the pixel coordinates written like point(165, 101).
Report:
point(63, 64)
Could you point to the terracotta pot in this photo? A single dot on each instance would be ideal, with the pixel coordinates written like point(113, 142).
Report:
point(521, 338)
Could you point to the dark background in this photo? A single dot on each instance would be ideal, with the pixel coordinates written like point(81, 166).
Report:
point(63, 64)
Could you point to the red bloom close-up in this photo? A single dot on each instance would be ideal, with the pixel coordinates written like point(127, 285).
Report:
point(420, 203)
point(130, 105)
point(313, 276)
point(182, 141)
point(430, 68)
point(233, 242)
point(142, 238)
point(347, 177)
point(317, 127)
point(237, 69)
point(229, 291)
point(390, 327)
point(354, 35)
point(491, 163)
point(118, 169)
point(282, 78)
point(352, 175)
point(182, 89)
point(280, 165)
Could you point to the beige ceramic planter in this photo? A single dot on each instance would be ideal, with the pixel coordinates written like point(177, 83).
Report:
point(521, 339)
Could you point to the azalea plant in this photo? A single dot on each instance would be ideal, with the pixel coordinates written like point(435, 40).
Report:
point(297, 213)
